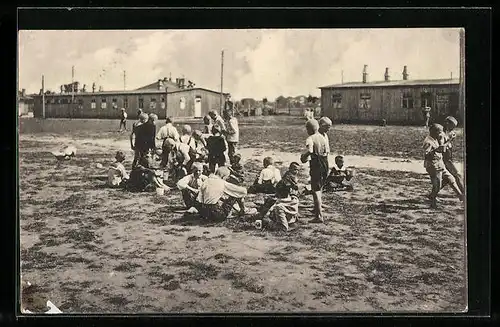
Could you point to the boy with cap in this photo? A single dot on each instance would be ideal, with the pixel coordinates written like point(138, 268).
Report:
point(434, 165)
point(317, 155)
point(190, 184)
point(449, 124)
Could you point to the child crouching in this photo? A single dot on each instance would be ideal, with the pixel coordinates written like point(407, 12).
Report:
point(339, 178)
point(117, 175)
point(190, 184)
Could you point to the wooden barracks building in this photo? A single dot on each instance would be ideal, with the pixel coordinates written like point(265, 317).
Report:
point(396, 101)
point(164, 98)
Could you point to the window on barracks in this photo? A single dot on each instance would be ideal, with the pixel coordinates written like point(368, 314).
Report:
point(93, 104)
point(103, 103)
point(80, 103)
point(141, 103)
point(115, 103)
point(125, 103)
point(337, 101)
point(152, 103)
point(163, 103)
point(365, 100)
point(407, 101)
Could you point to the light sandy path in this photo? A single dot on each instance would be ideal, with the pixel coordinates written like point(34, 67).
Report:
point(285, 158)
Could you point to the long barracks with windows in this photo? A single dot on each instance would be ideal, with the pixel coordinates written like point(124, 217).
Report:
point(397, 102)
point(164, 98)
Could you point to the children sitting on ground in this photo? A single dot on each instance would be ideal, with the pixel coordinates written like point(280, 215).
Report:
point(288, 184)
point(217, 149)
point(217, 197)
point(283, 208)
point(433, 163)
point(236, 169)
point(267, 179)
point(144, 177)
point(117, 175)
point(339, 178)
point(190, 184)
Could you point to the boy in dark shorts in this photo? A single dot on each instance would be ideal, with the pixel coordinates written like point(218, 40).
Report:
point(216, 146)
point(317, 155)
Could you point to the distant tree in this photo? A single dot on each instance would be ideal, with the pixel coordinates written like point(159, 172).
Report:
point(281, 101)
point(264, 101)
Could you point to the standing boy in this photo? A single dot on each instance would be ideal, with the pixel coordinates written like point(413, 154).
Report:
point(232, 132)
point(217, 147)
point(433, 163)
point(138, 139)
point(123, 119)
point(317, 155)
point(449, 124)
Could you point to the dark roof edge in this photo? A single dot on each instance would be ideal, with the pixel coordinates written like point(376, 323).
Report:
point(132, 92)
point(354, 85)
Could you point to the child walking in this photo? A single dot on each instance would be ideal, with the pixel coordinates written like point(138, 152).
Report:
point(267, 179)
point(434, 165)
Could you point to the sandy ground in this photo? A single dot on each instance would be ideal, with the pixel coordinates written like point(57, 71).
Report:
point(90, 249)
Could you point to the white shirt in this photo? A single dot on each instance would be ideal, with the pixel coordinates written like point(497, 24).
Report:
point(270, 173)
point(318, 144)
point(233, 131)
point(190, 181)
point(213, 188)
point(116, 174)
point(168, 131)
point(219, 121)
point(189, 140)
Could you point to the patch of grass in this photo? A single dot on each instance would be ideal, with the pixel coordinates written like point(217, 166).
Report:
point(126, 266)
point(197, 271)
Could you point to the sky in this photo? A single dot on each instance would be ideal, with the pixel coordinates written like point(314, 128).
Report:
point(257, 63)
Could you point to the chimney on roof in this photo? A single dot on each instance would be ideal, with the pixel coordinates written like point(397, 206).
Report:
point(365, 74)
point(177, 81)
point(23, 92)
point(386, 75)
point(159, 84)
point(405, 73)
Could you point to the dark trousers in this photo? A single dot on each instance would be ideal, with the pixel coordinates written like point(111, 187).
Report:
point(266, 187)
point(231, 149)
point(216, 212)
point(189, 198)
point(123, 122)
point(216, 161)
point(138, 155)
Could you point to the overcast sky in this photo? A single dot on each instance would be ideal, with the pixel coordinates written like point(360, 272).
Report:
point(257, 63)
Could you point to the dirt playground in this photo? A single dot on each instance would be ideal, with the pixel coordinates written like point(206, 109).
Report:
point(91, 249)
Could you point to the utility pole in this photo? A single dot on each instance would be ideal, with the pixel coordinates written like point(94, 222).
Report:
point(462, 75)
point(221, 81)
point(342, 77)
point(43, 97)
point(124, 80)
point(166, 101)
point(72, 84)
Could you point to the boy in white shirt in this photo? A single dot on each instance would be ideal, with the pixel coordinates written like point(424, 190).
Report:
point(190, 184)
point(267, 179)
point(117, 175)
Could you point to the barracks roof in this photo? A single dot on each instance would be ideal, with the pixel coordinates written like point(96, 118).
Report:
point(415, 82)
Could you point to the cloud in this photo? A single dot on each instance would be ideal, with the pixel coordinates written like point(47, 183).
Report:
point(257, 63)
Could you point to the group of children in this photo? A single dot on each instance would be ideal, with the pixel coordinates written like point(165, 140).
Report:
point(208, 172)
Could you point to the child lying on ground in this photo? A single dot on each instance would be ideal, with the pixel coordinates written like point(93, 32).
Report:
point(65, 154)
point(117, 175)
point(339, 178)
point(236, 169)
point(190, 184)
point(267, 179)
